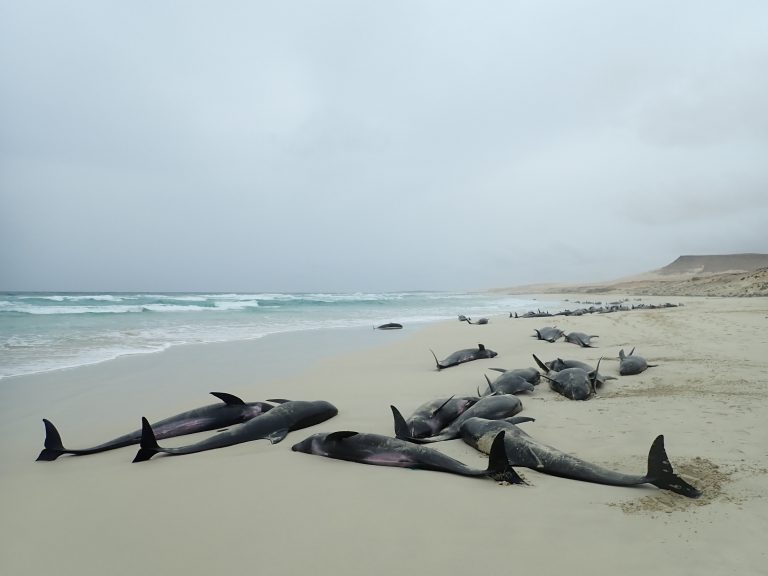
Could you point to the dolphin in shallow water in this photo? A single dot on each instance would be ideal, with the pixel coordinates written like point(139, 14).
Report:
point(381, 450)
point(272, 426)
point(523, 450)
point(212, 417)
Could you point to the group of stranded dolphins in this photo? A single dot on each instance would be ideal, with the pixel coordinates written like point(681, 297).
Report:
point(487, 422)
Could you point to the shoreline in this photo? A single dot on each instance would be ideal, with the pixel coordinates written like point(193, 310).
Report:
point(260, 501)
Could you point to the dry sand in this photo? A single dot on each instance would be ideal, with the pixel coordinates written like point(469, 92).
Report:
point(260, 508)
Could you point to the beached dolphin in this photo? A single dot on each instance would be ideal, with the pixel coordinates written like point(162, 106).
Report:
point(468, 320)
point(212, 417)
point(431, 417)
point(490, 407)
point(381, 450)
point(508, 383)
point(389, 326)
point(574, 383)
point(523, 450)
point(580, 338)
point(272, 426)
point(530, 374)
point(558, 364)
point(466, 355)
point(629, 365)
point(548, 333)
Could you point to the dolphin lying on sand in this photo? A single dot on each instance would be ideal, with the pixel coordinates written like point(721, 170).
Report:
point(273, 426)
point(381, 450)
point(523, 450)
point(212, 417)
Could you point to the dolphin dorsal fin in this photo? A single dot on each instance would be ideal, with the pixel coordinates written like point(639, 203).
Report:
point(340, 435)
point(230, 399)
point(490, 386)
point(481, 347)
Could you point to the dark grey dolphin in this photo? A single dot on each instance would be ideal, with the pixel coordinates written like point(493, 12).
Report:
point(381, 450)
point(558, 364)
point(466, 355)
point(548, 333)
point(523, 450)
point(580, 338)
point(273, 426)
point(431, 417)
point(574, 383)
point(469, 320)
point(629, 365)
point(490, 407)
point(212, 417)
point(508, 383)
point(530, 374)
point(389, 326)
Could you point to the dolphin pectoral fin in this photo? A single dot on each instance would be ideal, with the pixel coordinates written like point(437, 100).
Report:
point(277, 400)
point(149, 446)
point(498, 369)
point(230, 399)
point(519, 419)
point(277, 435)
point(535, 458)
point(661, 474)
point(340, 435)
point(53, 446)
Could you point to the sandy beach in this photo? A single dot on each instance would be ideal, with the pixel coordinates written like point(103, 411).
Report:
point(262, 508)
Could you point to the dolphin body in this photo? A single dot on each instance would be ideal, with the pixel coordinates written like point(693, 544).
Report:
point(559, 364)
point(466, 355)
point(508, 383)
point(273, 426)
point(548, 333)
point(580, 338)
point(523, 450)
point(490, 407)
point(431, 417)
point(211, 417)
point(573, 383)
point(629, 365)
point(381, 450)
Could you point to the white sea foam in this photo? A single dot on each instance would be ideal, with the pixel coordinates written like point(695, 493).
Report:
point(40, 332)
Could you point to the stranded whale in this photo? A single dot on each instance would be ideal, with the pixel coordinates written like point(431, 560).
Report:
point(212, 417)
point(272, 426)
point(523, 450)
point(381, 450)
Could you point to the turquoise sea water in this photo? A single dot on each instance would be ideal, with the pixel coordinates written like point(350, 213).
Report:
point(47, 331)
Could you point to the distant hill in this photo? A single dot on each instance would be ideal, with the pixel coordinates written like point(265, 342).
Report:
point(706, 275)
point(715, 264)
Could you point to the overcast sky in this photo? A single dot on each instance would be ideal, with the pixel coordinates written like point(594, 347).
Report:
point(304, 145)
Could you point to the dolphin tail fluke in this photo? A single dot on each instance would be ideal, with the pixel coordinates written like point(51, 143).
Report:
point(439, 366)
point(401, 427)
point(661, 475)
point(498, 463)
point(149, 445)
point(53, 446)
